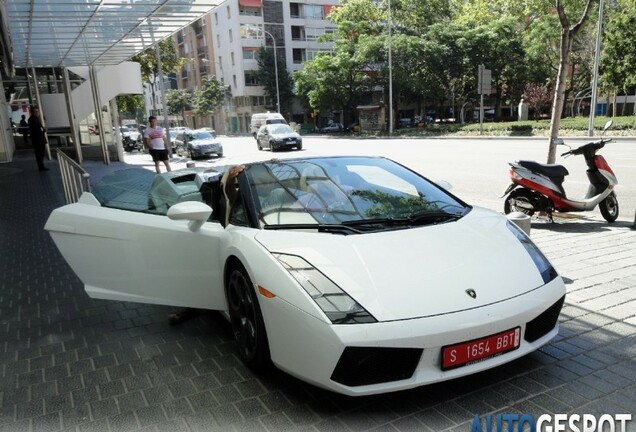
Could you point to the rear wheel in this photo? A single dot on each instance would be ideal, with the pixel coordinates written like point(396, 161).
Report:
point(246, 319)
point(609, 207)
point(520, 200)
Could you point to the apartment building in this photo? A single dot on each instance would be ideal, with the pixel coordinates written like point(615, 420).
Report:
point(227, 44)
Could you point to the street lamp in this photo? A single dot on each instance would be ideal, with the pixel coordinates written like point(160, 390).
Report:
point(275, 65)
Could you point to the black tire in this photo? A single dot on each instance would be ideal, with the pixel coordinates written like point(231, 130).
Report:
point(273, 147)
point(258, 144)
point(609, 208)
point(520, 195)
point(246, 319)
point(299, 147)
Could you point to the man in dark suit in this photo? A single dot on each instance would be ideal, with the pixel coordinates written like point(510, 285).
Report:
point(38, 137)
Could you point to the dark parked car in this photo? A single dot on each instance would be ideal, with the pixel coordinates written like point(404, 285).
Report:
point(278, 137)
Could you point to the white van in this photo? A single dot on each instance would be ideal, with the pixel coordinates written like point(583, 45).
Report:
point(262, 119)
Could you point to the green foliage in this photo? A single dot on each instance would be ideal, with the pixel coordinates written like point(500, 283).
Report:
point(267, 66)
point(618, 64)
point(209, 97)
point(170, 61)
point(131, 106)
point(178, 101)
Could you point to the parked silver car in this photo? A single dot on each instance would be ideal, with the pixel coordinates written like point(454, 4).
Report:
point(197, 143)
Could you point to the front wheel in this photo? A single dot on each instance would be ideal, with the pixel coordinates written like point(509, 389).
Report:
point(246, 319)
point(520, 200)
point(609, 207)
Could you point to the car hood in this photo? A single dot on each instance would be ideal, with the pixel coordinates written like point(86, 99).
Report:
point(422, 271)
point(285, 135)
point(201, 142)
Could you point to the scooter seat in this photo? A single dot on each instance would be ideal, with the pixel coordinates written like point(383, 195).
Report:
point(548, 170)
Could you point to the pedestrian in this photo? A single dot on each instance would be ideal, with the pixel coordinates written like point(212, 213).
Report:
point(24, 129)
point(157, 143)
point(38, 137)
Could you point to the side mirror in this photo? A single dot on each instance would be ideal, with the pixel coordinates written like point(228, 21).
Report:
point(444, 184)
point(608, 125)
point(194, 211)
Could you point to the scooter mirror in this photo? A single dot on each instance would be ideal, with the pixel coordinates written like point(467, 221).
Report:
point(558, 141)
point(608, 125)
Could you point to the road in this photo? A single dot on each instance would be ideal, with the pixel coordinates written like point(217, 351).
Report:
point(476, 168)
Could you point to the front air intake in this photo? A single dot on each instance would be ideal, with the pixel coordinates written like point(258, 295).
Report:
point(541, 325)
point(360, 366)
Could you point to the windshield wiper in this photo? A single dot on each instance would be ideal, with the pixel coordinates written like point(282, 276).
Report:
point(332, 228)
point(433, 217)
point(414, 219)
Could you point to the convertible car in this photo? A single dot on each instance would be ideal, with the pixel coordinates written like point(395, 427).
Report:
point(355, 274)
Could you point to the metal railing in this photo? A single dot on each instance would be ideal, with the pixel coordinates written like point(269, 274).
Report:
point(75, 179)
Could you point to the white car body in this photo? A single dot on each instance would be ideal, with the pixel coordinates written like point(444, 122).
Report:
point(130, 132)
point(415, 282)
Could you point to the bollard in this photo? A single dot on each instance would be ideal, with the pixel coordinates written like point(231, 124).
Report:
point(190, 164)
point(522, 220)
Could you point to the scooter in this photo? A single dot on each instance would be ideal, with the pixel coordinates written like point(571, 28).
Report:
point(539, 187)
point(130, 144)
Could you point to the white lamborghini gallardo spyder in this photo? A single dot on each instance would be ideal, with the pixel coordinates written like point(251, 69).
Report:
point(355, 274)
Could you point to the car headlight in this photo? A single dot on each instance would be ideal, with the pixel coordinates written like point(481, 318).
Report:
point(339, 307)
point(548, 272)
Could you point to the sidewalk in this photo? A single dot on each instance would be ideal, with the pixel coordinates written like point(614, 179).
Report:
point(71, 363)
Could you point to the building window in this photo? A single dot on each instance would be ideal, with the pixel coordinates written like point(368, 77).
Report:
point(216, 18)
point(250, 11)
point(232, 57)
point(231, 38)
point(229, 16)
point(299, 55)
point(218, 41)
point(251, 31)
point(313, 11)
point(294, 10)
point(251, 79)
point(298, 33)
point(234, 80)
point(250, 53)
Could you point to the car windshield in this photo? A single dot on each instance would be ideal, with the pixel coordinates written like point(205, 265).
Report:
point(349, 192)
point(280, 129)
point(124, 129)
point(200, 135)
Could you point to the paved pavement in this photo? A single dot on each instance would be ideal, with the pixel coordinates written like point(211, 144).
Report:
point(75, 364)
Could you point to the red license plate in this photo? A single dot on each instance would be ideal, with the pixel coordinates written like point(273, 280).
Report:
point(454, 356)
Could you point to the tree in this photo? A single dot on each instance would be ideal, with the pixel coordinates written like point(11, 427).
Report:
point(131, 106)
point(538, 97)
point(618, 61)
point(567, 37)
point(267, 77)
point(209, 97)
point(170, 63)
point(179, 101)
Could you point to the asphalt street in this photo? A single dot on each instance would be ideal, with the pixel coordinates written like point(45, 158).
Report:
point(71, 363)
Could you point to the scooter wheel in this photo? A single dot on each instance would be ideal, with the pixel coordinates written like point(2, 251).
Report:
point(520, 200)
point(609, 207)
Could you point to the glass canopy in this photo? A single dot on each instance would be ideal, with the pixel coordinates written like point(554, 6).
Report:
point(92, 32)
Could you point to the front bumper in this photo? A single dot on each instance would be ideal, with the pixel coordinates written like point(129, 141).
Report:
point(312, 349)
point(206, 151)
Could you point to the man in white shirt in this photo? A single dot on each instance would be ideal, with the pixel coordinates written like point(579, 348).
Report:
point(157, 143)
